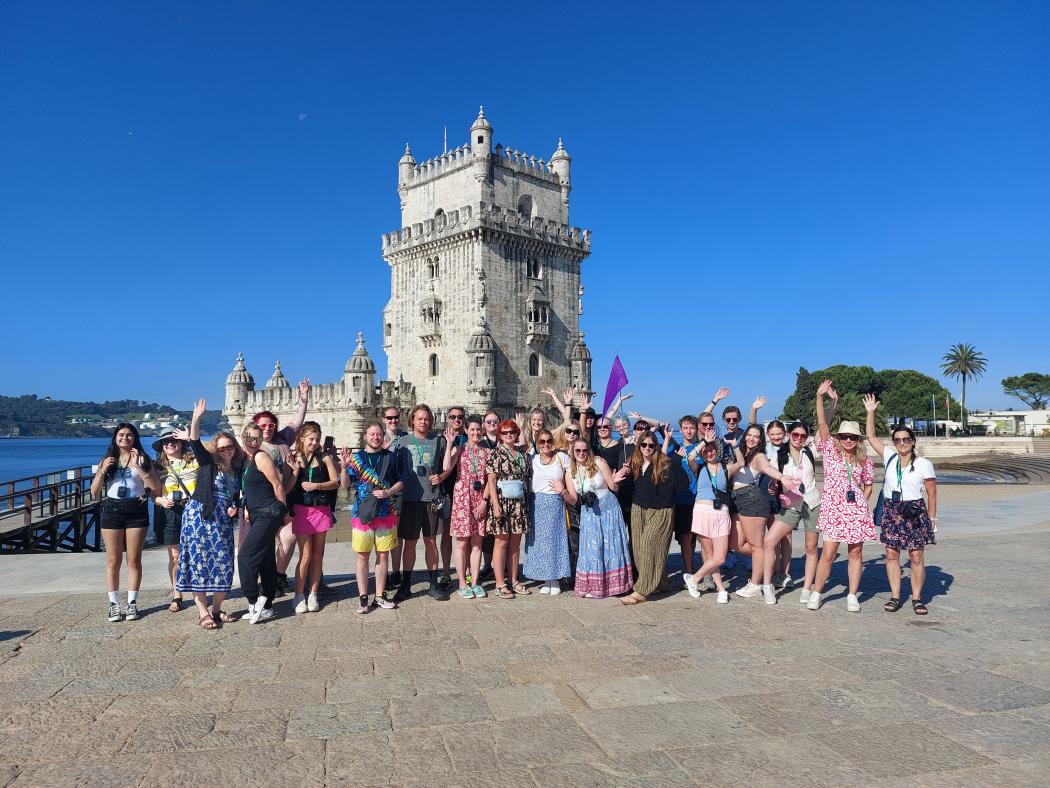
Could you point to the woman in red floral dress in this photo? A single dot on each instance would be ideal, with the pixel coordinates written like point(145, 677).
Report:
point(469, 506)
point(844, 513)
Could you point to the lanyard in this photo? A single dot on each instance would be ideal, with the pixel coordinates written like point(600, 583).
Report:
point(473, 456)
point(244, 476)
point(849, 471)
point(519, 461)
point(899, 474)
point(309, 468)
point(713, 479)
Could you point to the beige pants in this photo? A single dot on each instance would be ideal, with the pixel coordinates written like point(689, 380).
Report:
point(651, 531)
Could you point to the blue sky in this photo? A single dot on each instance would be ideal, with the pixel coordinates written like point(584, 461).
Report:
point(770, 185)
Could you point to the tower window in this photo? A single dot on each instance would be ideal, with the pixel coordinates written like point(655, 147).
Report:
point(533, 269)
point(388, 329)
point(433, 365)
point(480, 139)
point(433, 269)
point(534, 365)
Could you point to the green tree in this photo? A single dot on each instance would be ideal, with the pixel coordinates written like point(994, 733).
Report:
point(850, 383)
point(1032, 388)
point(963, 361)
point(906, 395)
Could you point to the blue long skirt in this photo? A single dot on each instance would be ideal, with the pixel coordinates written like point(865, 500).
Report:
point(604, 566)
point(206, 546)
point(547, 542)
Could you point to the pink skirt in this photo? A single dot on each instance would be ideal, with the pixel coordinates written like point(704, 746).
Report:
point(710, 522)
point(311, 519)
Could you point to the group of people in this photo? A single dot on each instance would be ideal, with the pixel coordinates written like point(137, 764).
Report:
point(596, 500)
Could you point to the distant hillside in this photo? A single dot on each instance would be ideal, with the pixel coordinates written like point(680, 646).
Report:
point(31, 416)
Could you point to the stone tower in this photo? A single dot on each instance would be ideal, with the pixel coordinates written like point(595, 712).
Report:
point(485, 292)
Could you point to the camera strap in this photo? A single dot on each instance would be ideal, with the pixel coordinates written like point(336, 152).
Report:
point(178, 478)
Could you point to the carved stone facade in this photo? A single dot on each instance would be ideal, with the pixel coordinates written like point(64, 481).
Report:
point(485, 301)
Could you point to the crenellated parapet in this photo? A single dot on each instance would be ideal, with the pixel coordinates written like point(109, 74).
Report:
point(449, 161)
point(462, 157)
point(524, 163)
point(485, 215)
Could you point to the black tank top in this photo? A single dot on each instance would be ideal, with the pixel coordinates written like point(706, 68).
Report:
point(317, 473)
point(258, 492)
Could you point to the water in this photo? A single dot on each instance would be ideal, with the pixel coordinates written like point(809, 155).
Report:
point(21, 457)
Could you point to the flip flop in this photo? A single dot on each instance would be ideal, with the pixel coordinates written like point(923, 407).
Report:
point(175, 605)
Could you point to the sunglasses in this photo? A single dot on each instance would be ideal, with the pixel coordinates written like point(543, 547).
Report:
point(580, 451)
point(572, 432)
point(267, 425)
point(707, 424)
point(605, 426)
point(456, 417)
point(392, 418)
point(853, 438)
point(641, 427)
point(492, 421)
point(647, 445)
point(253, 439)
point(799, 435)
point(172, 442)
point(902, 441)
point(508, 432)
point(732, 419)
point(544, 442)
point(227, 447)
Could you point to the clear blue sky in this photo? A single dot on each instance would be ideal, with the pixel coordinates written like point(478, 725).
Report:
point(769, 185)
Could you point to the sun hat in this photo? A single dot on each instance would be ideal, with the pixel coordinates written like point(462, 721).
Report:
point(167, 434)
point(849, 428)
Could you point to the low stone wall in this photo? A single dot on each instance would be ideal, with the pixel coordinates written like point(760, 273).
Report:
point(965, 447)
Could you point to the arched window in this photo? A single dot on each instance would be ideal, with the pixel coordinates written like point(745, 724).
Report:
point(534, 365)
point(525, 206)
point(433, 365)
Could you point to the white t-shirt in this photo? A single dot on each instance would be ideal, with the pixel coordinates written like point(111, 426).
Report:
point(542, 475)
point(126, 477)
point(812, 494)
point(911, 484)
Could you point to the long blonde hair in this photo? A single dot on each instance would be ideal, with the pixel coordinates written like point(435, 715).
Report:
point(659, 461)
point(590, 466)
point(527, 437)
point(308, 428)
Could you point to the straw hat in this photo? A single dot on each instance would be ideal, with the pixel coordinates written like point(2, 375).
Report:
point(850, 428)
point(166, 434)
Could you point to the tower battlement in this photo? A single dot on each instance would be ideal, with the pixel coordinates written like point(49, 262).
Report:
point(485, 215)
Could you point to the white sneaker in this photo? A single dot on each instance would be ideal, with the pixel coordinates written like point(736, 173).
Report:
point(260, 610)
point(299, 604)
point(814, 601)
point(723, 597)
point(312, 604)
point(749, 590)
point(555, 588)
point(770, 596)
point(804, 596)
point(852, 605)
point(545, 589)
point(707, 584)
point(787, 583)
point(690, 584)
point(251, 610)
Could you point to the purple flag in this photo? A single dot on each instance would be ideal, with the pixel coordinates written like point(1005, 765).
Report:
point(617, 380)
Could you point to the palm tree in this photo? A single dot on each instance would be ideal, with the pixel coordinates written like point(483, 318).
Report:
point(963, 361)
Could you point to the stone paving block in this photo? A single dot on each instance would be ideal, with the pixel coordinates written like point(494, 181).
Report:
point(638, 729)
point(926, 752)
point(177, 701)
point(127, 682)
point(419, 756)
point(51, 714)
point(1035, 673)
point(471, 679)
point(354, 689)
point(27, 745)
point(435, 710)
point(61, 667)
point(624, 691)
point(436, 660)
point(512, 702)
point(976, 691)
point(87, 773)
point(279, 694)
point(362, 759)
point(801, 711)
point(291, 763)
point(1001, 736)
point(170, 733)
point(327, 720)
point(550, 740)
point(212, 670)
point(39, 689)
point(8, 773)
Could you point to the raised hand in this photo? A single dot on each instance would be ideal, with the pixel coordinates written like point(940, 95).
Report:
point(585, 402)
point(549, 392)
point(181, 433)
point(834, 395)
point(721, 394)
point(708, 433)
point(625, 397)
point(519, 419)
point(569, 395)
point(304, 389)
point(344, 456)
point(759, 403)
point(824, 388)
point(451, 433)
point(732, 442)
point(870, 403)
point(107, 463)
point(199, 407)
point(621, 474)
point(634, 415)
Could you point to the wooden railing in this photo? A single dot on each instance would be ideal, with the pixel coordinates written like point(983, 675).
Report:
point(49, 511)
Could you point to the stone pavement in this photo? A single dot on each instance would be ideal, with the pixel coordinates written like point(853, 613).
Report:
point(542, 691)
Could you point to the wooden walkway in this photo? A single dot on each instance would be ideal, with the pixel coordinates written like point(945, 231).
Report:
point(52, 511)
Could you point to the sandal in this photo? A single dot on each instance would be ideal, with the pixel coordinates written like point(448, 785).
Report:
point(919, 608)
point(504, 592)
point(175, 605)
point(521, 588)
point(222, 617)
point(207, 622)
point(893, 605)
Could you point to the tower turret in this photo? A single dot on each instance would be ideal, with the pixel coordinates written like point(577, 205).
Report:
point(481, 370)
point(481, 136)
point(277, 379)
point(238, 383)
point(406, 167)
point(580, 371)
point(359, 375)
point(560, 166)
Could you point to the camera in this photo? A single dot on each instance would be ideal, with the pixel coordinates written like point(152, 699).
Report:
point(421, 470)
point(716, 504)
point(313, 499)
point(588, 498)
point(478, 486)
point(122, 491)
point(851, 497)
point(801, 488)
point(896, 495)
point(176, 496)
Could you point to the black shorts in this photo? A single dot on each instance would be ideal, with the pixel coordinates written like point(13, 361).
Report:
point(167, 524)
point(683, 520)
point(119, 515)
point(418, 519)
point(751, 502)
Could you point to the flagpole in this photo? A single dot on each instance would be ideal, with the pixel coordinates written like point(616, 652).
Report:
point(933, 400)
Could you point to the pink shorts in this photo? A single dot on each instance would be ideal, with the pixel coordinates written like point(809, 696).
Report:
point(311, 519)
point(710, 522)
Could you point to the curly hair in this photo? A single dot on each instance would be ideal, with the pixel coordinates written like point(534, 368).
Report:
point(750, 454)
point(659, 461)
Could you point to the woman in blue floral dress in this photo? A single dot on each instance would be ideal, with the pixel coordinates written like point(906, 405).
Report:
point(206, 541)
